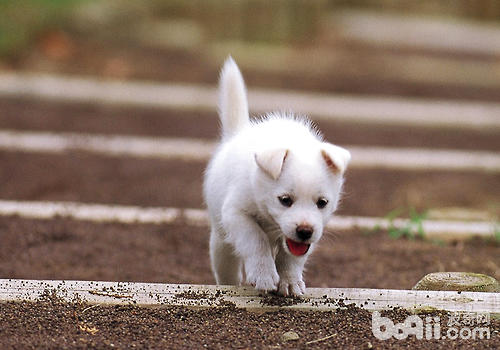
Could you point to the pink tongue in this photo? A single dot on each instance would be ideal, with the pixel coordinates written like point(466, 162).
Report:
point(297, 248)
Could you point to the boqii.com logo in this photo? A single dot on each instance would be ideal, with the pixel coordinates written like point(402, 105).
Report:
point(460, 325)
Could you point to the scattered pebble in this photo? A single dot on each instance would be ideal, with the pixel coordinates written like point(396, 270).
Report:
point(290, 335)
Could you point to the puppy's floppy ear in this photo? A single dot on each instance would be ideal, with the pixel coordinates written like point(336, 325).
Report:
point(335, 157)
point(271, 161)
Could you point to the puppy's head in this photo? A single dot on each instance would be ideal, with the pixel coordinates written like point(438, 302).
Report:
point(300, 191)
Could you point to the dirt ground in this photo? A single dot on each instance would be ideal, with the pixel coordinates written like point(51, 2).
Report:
point(152, 182)
point(43, 115)
point(76, 250)
point(176, 253)
point(155, 182)
point(67, 249)
point(50, 324)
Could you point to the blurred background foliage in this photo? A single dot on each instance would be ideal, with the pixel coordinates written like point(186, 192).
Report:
point(439, 48)
point(23, 21)
point(184, 23)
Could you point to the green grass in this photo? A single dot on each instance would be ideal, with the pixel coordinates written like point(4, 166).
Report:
point(412, 229)
point(414, 226)
point(497, 232)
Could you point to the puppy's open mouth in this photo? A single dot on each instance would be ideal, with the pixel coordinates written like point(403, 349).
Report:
point(296, 248)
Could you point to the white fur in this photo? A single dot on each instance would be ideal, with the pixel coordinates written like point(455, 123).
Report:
point(255, 163)
point(233, 105)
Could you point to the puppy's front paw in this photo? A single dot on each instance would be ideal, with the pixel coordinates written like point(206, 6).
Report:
point(263, 275)
point(291, 287)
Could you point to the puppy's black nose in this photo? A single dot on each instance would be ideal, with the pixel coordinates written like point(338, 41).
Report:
point(304, 232)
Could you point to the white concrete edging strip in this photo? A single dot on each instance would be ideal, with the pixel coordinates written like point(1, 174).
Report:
point(197, 149)
point(315, 299)
point(393, 110)
point(89, 212)
point(199, 217)
point(420, 32)
point(111, 145)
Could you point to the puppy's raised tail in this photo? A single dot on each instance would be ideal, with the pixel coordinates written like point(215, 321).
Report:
point(233, 105)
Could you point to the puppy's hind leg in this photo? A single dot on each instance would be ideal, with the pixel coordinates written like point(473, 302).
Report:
point(226, 265)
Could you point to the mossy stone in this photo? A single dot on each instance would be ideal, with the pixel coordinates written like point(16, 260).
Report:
point(458, 281)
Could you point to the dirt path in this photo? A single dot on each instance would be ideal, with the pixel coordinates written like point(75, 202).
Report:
point(153, 182)
point(24, 114)
point(75, 250)
point(103, 327)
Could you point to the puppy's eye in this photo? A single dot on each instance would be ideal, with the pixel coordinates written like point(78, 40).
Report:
point(286, 200)
point(321, 203)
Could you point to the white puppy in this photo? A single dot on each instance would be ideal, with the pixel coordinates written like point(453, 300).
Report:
point(270, 188)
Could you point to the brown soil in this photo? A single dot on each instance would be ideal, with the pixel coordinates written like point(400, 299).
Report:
point(24, 114)
point(75, 250)
point(66, 249)
point(50, 324)
point(154, 182)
